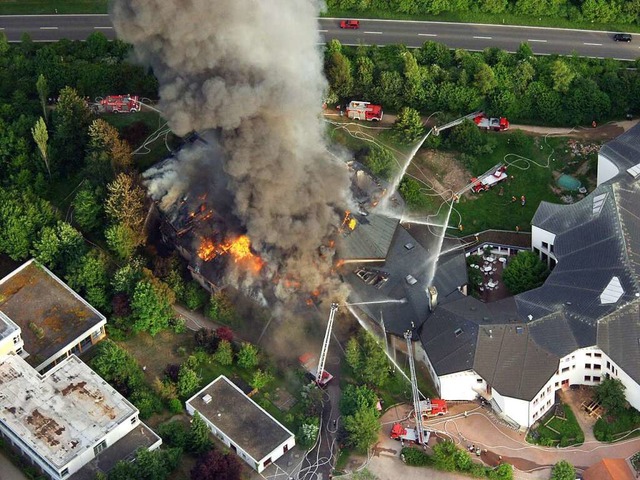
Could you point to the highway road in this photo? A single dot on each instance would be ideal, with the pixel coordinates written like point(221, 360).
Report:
point(377, 32)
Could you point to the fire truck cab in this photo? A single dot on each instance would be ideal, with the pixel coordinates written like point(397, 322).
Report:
point(432, 407)
point(404, 434)
point(119, 104)
point(359, 110)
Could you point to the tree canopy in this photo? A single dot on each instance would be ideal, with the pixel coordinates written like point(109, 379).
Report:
point(524, 272)
point(610, 394)
point(563, 470)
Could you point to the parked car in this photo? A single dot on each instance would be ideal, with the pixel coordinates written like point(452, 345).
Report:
point(622, 37)
point(352, 24)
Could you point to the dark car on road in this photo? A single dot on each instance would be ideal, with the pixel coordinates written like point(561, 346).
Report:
point(353, 24)
point(622, 37)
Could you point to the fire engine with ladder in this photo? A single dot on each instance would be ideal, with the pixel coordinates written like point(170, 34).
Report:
point(421, 408)
point(359, 110)
point(118, 104)
point(308, 361)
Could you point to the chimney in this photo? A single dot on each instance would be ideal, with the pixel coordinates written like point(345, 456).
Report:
point(432, 295)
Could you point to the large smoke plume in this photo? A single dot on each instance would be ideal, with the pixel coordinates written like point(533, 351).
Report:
point(251, 72)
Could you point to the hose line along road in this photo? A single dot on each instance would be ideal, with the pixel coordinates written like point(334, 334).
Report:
point(372, 32)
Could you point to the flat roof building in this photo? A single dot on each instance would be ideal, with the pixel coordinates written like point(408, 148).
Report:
point(63, 419)
point(239, 422)
point(55, 321)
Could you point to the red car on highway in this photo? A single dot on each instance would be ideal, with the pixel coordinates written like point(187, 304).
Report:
point(353, 24)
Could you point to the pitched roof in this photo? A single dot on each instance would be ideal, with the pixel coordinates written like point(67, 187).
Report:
point(623, 151)
point(504, 352)
point(370, 239)
point(619, 338)
point(609, 469)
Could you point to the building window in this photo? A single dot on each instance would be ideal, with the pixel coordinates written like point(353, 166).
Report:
point(557, 384)
point(100, 447)
point(545, 245)
point(596, 379)
point(597, 355)
point(608, 366)
point(588, 354)
point(596, 366)
point(551, 247)
point(565, 369)
point(478, 380)
point(573, 367)
point(587, 365)
point(64, 472)
point(587, 378)
point(134, 420)
point(549, 389)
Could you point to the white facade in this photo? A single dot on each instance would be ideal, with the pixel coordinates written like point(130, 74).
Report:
point(461, 385)
point(241, 424)
point(606, 169)
point(542, 243)
point(63, 419)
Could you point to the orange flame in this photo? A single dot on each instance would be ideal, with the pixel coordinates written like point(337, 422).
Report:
point(239, 248)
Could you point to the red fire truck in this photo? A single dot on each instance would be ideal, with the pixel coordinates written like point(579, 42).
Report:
point(119, 104)
point(497, 124)
point(358, 110)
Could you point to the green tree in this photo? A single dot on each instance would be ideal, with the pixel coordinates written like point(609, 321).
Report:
point(151, 307)
point(408, 127)
point(308, 433)
point(87, 208)
point(194, 296)
point(43, 93)
point(149, 465)
point(562, 75)
point(524, 272)
point(484, 79)
point(198, 440)
point(388, 89)
point(188, 382)
point(224, 353)
point(261, 379)
point(339, 75)
point(610, 394)
point(89, 277)
point(117, 366)
point(563, 470)
point(22, 217)
point(71, 121)
point(125, 205)
point(216, 465)
point(411, 192)
point(121, 240)
point(362, 428)
point(353, 353)
point(247, 356)
point(601, 11)
point(380, 161)
point(504, 471)
point(355, 397)
point(364, 75)
point(444, 455)
point(370, 365)
point(467, 137)
point(59, 246)
point(41, 137)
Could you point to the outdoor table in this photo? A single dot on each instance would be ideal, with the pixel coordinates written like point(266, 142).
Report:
point(491, 284)
point(487, 268)
point(502, 260)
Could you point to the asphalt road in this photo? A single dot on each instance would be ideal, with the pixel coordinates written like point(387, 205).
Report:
point(378, 32)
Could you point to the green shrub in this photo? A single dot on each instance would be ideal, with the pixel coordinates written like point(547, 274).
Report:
point(175, 405)
point(415, 457)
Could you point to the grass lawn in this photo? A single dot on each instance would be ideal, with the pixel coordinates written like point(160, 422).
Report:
point(33, 7)
point(154, 151)
point(553, 430)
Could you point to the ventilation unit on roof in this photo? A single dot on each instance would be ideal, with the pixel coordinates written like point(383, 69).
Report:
point(458, 332)
point(598, 203)
point(519, 330)
point(207, 398)
point(634, 171)
point(612, 292)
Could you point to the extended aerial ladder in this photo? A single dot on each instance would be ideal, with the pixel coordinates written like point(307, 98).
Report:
point(322, 376)
point(418, 435)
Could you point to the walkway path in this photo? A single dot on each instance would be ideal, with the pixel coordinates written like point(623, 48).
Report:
point(8, 471)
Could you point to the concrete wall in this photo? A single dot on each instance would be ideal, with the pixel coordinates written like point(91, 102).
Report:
point(11, 344)
point(606, 169)
point(538, 235)
point(276, 453)
point(461, 385)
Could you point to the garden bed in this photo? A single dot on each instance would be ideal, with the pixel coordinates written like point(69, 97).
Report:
point(554, 430)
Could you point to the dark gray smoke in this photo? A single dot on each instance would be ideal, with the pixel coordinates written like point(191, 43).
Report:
point(251, 70)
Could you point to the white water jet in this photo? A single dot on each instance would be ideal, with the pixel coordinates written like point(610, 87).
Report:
point(377, 302)
point(434, 262)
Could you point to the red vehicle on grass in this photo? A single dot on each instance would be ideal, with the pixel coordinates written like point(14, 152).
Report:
point(350, 24)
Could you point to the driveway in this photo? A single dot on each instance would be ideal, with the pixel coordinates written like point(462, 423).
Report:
point(480, 427)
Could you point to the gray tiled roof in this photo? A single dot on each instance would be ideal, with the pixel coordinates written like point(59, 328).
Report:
point(450, 273)
point(619, 338)
point(624, 151)
point(504, 353)
point(370, 239)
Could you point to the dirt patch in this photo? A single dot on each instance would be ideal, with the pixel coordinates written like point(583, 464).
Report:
point(441, 170)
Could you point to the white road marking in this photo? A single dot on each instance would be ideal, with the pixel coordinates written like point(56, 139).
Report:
point(593, 44)
point(427, 35)
point(103, 28)
point(374, 33)
point(534, 40)
point(483, 38)
point(48, 28)
point(323, 31)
